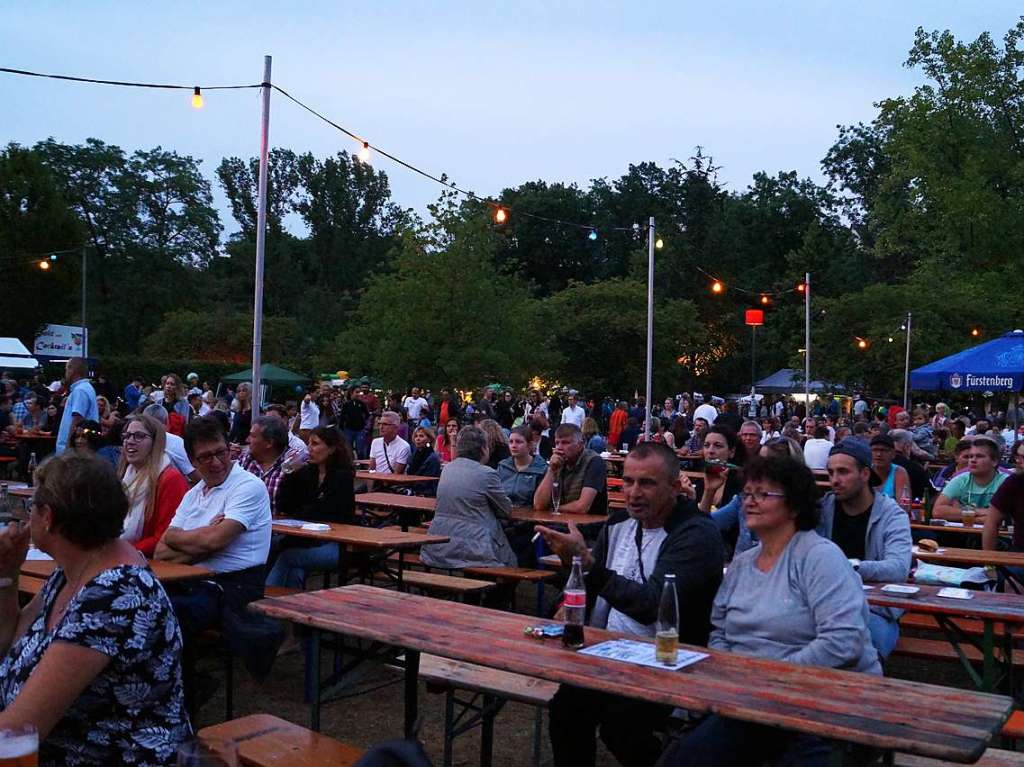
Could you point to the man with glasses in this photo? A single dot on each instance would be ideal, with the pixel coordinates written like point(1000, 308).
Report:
point(871, 529)
point(222, 524)
point(389, 453)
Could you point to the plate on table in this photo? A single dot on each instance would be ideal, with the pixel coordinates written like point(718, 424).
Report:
point(316, 527)
point(952, 593)
point(901, 590)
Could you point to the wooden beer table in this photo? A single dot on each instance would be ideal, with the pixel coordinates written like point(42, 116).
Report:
point(399, 480)
point(946, 723)
point(384, 540)
point(166, 572)
point(1001, 560)
point(985, 606)
point(406, 510)
point(528, 514)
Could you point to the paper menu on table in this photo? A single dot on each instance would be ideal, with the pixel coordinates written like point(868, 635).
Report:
point(641, 654)
point(35, 555)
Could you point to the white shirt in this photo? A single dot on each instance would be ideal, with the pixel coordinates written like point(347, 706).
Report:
point(816, 453)
point(574, 414)
point(780, 408)
point(297, 449)
point(707, 412)
point(414, 406)
point(623, 560)
point(309, 415)
point(241, 497)
point(398, 452)
point(175, 450)
point(860, 407)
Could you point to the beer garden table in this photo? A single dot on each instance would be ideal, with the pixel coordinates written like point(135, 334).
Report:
point(166, 572)
point(884, 713)
point(985, 606)
point(392, 479)
point(1001, 560)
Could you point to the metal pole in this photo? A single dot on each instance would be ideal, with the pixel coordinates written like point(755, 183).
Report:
point(906, 369)
point(650, 325)
point(807, 343)
point(753, 360)
point(261, 242)
point(85, 329)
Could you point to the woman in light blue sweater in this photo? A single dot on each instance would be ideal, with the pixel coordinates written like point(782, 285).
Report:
point(794, 597)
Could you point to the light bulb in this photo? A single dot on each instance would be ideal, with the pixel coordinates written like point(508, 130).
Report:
point(593, 235)
point(364, 153)
point(801, 287)
point(862, 344)
point(975, 332)
point(717, 287)
point(765, 300)
point(500, 216)
point(659, 243)
point(890, 339)
point(197, 98)
point(44, 265)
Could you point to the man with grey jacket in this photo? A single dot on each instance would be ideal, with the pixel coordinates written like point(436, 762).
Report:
point(871, 529)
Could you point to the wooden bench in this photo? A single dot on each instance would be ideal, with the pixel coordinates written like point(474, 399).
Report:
point(993, 757)
point(940, 649)
point(970, 627)
point(445, 584)
point(266, 741)
point(496, 687)
point(29, 586)
point(1014, 727)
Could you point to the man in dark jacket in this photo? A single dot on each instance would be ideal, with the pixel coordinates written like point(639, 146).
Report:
point(659, 533)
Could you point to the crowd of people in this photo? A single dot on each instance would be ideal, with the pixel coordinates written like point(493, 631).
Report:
point(174, 473)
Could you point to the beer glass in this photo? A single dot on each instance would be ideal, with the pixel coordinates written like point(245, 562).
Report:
point(556, 496)
point(208, 752)
point(19, 747)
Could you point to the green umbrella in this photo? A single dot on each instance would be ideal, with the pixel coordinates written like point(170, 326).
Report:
point(271, 375)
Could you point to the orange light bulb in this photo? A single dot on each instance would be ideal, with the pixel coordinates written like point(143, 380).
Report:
point(364, 153)
point(44, 265)
point(500, 216)
point(717, 287)
point(765, 300)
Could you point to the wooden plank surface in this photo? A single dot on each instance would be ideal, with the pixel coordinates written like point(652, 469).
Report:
point(166, 572)
point(526, 514)
point(395, 501)
point(983, 605)
point(970, 557)
point(393, 479)
point(264, 740)
point(359, 537)
point(863, 708)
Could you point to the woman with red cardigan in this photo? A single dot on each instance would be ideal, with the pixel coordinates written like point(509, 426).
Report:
point(153, 486)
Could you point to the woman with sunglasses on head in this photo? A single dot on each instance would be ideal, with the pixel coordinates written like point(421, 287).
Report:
point(153, 485)
point(794, 598)
point(723, 455)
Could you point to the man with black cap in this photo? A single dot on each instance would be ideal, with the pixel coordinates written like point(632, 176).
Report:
point(871, 529)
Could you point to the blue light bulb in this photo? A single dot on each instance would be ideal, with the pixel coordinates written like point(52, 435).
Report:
point(592, 235)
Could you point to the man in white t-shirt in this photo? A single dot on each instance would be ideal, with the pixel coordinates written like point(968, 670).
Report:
point(389, 453)
point(574, 414)
point(816, 449)
point(414, 405)
point(222, 524)
point(706, 410)
point(309, 417)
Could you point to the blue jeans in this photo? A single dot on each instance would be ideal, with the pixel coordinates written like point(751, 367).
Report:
point(291, 566)
point(355, 441)
point(884, 634)
point(726, 742)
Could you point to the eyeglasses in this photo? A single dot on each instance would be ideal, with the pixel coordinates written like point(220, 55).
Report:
point(760, 496)
point(218, 455)
point(135, 436)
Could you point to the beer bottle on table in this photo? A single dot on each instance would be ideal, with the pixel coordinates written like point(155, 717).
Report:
point(574, 604)
point(666, 636)
point(32, 470)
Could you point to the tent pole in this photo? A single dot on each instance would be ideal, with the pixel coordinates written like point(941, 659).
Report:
point(650, 326)
point(261, 240)
point(906, 369)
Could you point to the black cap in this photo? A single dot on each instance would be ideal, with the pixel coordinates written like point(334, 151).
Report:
point(860, 452)
point(884, 440)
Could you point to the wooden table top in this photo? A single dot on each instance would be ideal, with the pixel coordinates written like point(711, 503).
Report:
point(983, 605)
point(359, 537)
point(944, 529)
point(527, 514)
point(393, 479)
point(970, 557)
point(396, 501)
point(22, 491)
point(166, 572)
point(929, 720)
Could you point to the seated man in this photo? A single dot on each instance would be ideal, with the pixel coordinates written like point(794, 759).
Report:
point(389, 453)
point(266, 453)
point(222, 524)
point(974, 488)
point(297, 452)
point(871, 529)
point(580, 473)
point(659, 533)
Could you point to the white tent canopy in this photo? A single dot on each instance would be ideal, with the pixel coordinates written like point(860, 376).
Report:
point(15, 356)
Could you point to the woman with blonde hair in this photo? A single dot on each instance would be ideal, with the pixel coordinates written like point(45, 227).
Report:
point(497, 442)
point(592, 438)
point(153, 485)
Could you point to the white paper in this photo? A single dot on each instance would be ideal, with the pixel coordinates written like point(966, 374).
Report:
point(641, 654)
point(866, 587)
point(950, 523)
point(35, 555)
point(316, 527)
point(951, 593)
point(289, 522)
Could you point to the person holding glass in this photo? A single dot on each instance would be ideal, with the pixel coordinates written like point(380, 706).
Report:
point(967, 496)
point(154, 487)
point(93, 662)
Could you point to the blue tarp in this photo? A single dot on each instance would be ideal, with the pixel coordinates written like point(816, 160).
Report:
point(996, 366)
point(790, 381)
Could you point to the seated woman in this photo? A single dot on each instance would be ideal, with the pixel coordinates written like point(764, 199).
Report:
point(794, 598)
point(497, 442)
point(323, 490)
point(592, 438)
point(470, 505)
point(722, 452)
point(98, 649)
point(445, 444)
point(424, 461)
point(153, 486)
point(731, 520)
point(522, 471)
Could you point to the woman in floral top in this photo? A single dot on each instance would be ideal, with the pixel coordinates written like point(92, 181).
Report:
point(94, 660)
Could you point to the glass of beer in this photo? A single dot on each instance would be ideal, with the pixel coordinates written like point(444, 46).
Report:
point(967, 514)
point(19, 747)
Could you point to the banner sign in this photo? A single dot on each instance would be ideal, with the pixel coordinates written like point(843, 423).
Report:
point(59, 341)
point(984, 382)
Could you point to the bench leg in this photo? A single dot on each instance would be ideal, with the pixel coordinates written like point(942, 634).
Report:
point(487, 732)
point(229, 686)
point(538, 735)
point(412, 679)
point(313, 676)
point(449, 726)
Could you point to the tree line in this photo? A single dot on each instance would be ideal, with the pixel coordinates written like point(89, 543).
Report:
point(922, 210)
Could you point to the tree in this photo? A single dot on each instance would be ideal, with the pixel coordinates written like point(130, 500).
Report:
point(445, 314)
point(224, 336)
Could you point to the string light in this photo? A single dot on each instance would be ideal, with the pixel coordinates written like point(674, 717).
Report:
point(659, 243)
point(890, 339)
point(593, 235)
point(765, 300)
point(364, 153)
point(500, 216)
point(862, 344)
point(801, 287)
point(197, 98)
point(44, 265)
point(717, 287)
point(975, 332)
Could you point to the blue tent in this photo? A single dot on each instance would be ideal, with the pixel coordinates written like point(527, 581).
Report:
point(995, 366)
point(790, 381)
